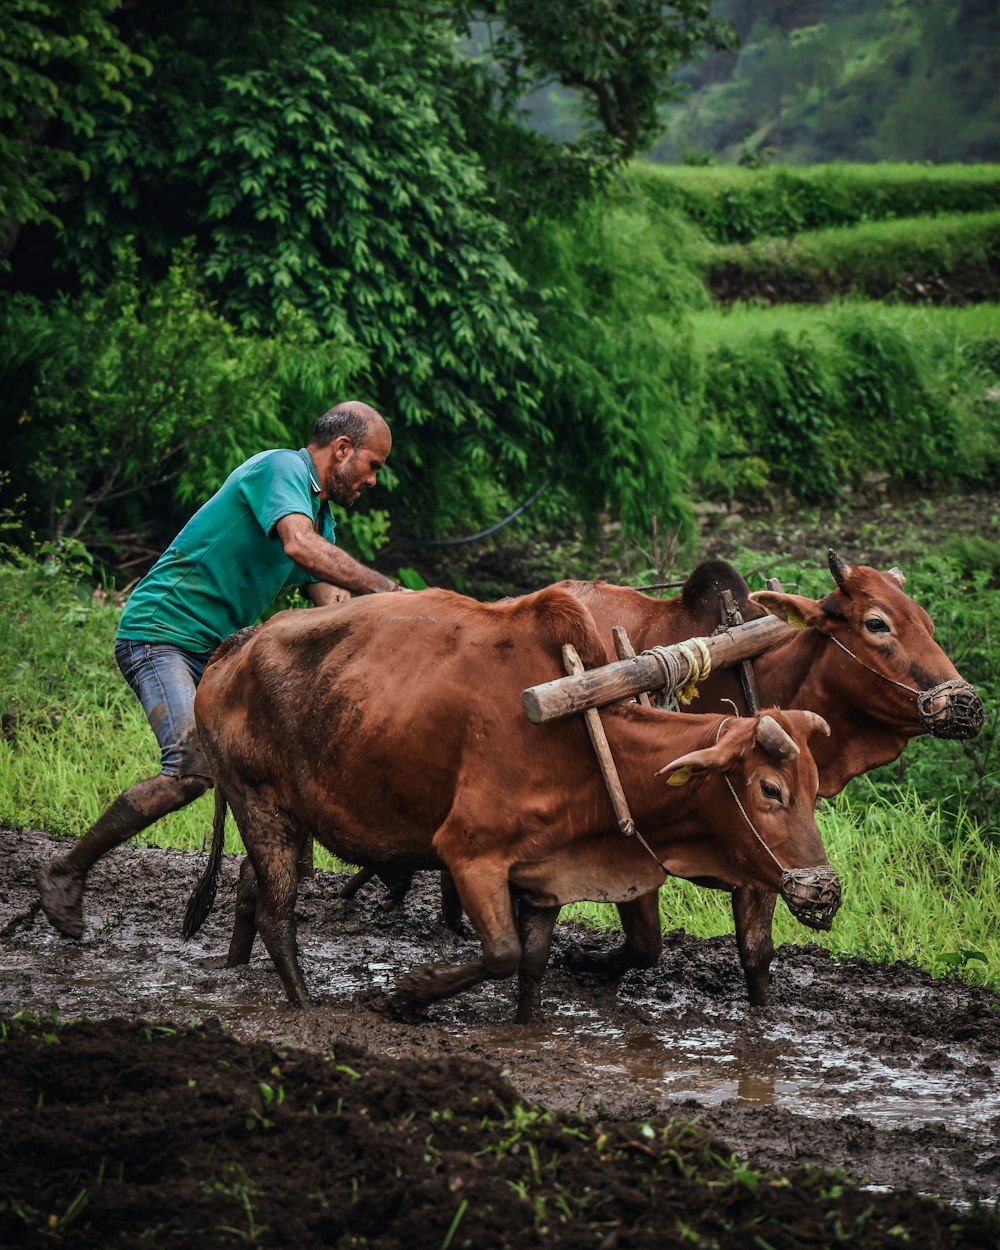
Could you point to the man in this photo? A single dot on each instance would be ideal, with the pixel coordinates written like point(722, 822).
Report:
point(269, 527)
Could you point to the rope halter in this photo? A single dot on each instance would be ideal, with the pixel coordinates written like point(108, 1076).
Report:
point(960, 715)
point(812, 894)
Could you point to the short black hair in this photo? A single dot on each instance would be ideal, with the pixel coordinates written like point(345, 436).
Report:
point(352, 418)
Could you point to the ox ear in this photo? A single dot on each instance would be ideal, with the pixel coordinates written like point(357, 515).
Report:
point(897, 575)
point(794, 610)
point(712, 759)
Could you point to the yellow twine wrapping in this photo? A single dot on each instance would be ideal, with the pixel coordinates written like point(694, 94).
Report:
point(696, 673)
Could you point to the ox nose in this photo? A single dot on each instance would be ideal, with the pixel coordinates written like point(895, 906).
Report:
point(951, 710)
point(812, 895)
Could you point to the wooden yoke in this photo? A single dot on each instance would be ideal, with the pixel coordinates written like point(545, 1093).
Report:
point(660, 668)
point(602, 749)
point(625, 651)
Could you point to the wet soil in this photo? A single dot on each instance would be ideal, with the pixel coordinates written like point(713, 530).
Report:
point(196, 1103)
point(765, 282)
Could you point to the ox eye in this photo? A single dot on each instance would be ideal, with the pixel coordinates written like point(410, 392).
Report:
point(770, 790)
point(875, 625)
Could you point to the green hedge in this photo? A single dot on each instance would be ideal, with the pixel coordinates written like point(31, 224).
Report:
point(736, 205)
point(805, 400)
point(950, 259)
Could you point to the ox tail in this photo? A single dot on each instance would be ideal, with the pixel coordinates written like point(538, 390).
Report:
point(203, 895)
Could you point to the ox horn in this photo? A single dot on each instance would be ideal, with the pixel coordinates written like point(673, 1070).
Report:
point(896, 574)
point(840, 569)
point(775, 740)
point(815, 724)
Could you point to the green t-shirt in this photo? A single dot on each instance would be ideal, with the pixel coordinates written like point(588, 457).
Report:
point(227, 564)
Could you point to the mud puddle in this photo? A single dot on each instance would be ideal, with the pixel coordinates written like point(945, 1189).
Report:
point(883, 1072)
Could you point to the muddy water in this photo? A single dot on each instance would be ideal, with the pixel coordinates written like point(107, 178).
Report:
point(881, 1071)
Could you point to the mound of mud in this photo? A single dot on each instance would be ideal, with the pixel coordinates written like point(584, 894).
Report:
point(192, 1104)
point(123, 1133)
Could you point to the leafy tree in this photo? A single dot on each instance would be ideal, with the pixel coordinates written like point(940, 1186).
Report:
point(132, 390)
point(914, 79)
point(619, 54)
point(60, 64)
point(354, 175)
point(321, 166)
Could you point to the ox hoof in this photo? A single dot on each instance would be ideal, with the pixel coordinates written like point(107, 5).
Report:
point(609, 965)
point(61, 892)
point(393, 1006)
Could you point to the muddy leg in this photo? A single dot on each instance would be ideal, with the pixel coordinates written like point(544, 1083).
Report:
point(306, 867)
point(397, 883)
point(535, 925)
point(485, 894)
point(753, 912)
point(61, 882)
point(451, 905)
point(275, 862)
point(643, 941)
point(357, 882)
point(245, 920)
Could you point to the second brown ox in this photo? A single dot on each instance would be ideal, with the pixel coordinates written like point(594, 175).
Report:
point(864, 657)
point(393, 730)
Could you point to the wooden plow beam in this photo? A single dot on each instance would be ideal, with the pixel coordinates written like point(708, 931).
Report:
point(660, 668)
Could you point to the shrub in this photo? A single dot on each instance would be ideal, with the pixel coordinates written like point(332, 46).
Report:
point(735, 205)
point(125, 390)
point(807, 399)
point(916, 259)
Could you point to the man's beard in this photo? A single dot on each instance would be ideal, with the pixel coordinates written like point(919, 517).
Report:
point(339, 488)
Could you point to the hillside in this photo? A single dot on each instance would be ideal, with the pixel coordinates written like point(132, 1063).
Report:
point(837, 81)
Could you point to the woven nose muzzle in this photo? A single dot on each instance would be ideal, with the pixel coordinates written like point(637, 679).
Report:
point(812, 895)
point(951, 710)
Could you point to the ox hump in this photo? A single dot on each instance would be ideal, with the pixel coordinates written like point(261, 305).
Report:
point(701, 591)
point(559, 617)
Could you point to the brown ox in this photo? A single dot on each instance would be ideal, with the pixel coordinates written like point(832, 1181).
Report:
point(864, 658)
point(392, 728)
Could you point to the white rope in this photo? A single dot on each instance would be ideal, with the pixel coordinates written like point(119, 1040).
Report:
point(884, 676)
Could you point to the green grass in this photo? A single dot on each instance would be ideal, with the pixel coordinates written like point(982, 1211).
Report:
point(809, 398)
point(881, 259)
point(736, 205)
point(941, 330)
point(915, 889)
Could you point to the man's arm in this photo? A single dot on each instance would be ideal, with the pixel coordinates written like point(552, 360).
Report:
point(325, 561)
point(324, 593)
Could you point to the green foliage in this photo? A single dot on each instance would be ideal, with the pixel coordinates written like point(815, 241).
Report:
point(912, 80)
point(808, 399)
point(134, 387)
point(616, 405)
point(60, 65)
point(774, 410)
point(620, 56)
point(912, 259)
point(326, 169)
point(733, 205)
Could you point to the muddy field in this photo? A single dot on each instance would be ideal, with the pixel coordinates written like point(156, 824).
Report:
point(881, 1072)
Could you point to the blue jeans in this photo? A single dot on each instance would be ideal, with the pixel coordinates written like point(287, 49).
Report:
point(164, 679)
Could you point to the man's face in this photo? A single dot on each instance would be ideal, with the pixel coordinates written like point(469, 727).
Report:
point(357, 469)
